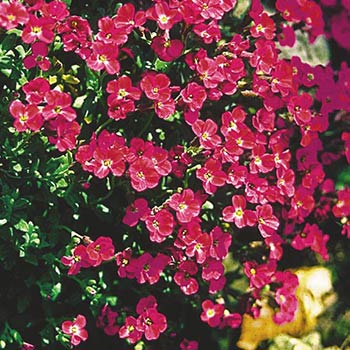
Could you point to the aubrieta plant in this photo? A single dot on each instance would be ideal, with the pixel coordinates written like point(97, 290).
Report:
point(162, 164)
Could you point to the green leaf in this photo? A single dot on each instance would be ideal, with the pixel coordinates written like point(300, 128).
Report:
point(9, 42)
point(22, 225)
point(161, 65)
point(68, 2)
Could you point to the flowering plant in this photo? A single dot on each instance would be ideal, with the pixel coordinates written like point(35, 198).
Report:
point(163, 163)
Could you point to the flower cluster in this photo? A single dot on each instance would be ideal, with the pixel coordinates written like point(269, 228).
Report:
point(280, 286)
point(150, 323)
point(236, 148)
point(93, 254)
point(47, 108)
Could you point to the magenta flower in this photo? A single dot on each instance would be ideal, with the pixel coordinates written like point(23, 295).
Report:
point(38, 29)
point(36, 90)
point(27, 117)
point(211, 175)
point(238, 213)
point(129, 330)
point(161, 225)
point(76, 330)
point(102, 249)
point(134, 212)
point(166, 49)
point(12, 14)
point(267, 222)
point(185, 205)
point(58, 104)
point(156, 86)
point(212, 313)
point(77, 260)
point(151, 323)
point(183, 277)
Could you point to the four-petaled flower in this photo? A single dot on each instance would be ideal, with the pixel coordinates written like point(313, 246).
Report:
point(75, 329)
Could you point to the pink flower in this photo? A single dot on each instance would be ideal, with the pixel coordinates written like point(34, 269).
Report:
point(122, 97)
point(58, 104)
point(302, 204)
point(199, 247)
point(12, 14)
point(299, 107)
point(55, 9)
point(152, 323)
point(76, 330)
point(137, 210)
point(107, 321)
point(211, 175)
point(166, 49)
point(263, 26)
point(287, 36)
point(36, 90)
point(127, 19)
point(232, 320)
point(238, 214)
point(26, 116)
point(209, 72)
point(102, 249)
point(104, 56)
point(220, 243)
point(160, 225)
point(122, 89)
point(261, 161)
point(183, 277)
point(208, 32)
point(267, 222)
point(163, 15)
point(156, 86)
point(123, 259)
point(109, 33)
point(259, 275)
point(147, 268)
point(212, 313)
point(146, 303)
point(164, 109)
point(38, 29)
point(106, 160)
point(129, 330)
point(143, 175)
point(188, 344)
point(210, 8)
point(311, 237)
point(65, 133)
point(77, 260)
point(185, 205)
point(206, 132)
point(194, 96)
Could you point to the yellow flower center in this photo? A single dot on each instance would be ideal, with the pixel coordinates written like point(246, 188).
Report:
point(107, 162)
point(163, 19)
point(122, 93)
point(210, 313)
point(23, 118)
point(239, 212)
point(36, 30)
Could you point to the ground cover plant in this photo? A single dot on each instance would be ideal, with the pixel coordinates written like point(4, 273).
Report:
point(163, 163)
